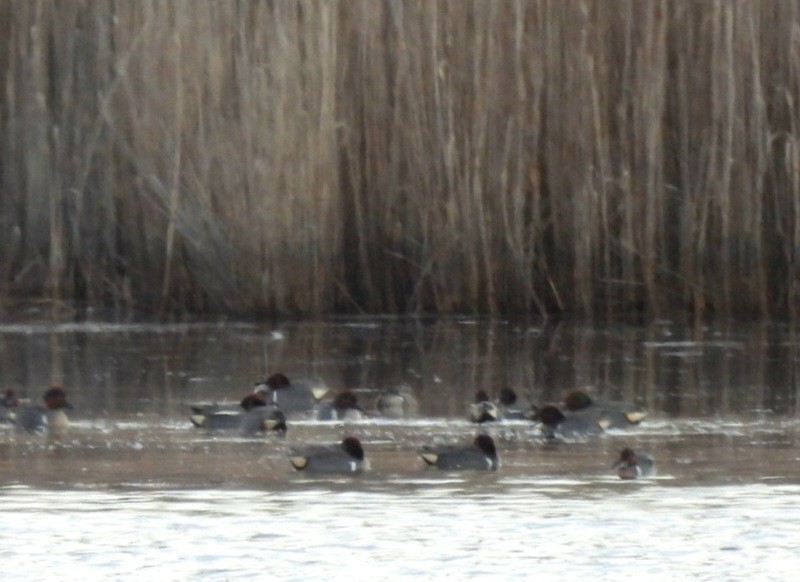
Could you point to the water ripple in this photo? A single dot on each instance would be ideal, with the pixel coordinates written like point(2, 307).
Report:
point(433, 531)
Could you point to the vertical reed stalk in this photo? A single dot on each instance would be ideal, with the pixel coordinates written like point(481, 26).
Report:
point(461, 155)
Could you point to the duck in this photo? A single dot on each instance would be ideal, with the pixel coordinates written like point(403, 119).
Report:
point(9, 401)
point(344, 458)
point(614, 414)
point(254, 414)
point(633, 464)
point(482, 409)
point(264, 419)
point(509, 405)
point(394, 404)
point(47, 417)
point(294, 398)
point(480, 455)
point(557, 424)
point(226, 415)
point(344, 406)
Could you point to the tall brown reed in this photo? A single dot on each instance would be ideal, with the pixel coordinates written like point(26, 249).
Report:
point(459, 155)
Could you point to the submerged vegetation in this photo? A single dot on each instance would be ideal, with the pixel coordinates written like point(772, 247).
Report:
point(471, 156)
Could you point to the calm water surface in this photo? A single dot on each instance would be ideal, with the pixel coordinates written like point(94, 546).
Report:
point(134, 492)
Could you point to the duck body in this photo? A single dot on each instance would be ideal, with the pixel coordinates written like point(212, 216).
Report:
point(47, 417)
point(510, 407)
point(507, 407)
point(480, 455)
point(295, 397)
point(558, 424)
point(394, 404)
point(634, 465)
point(253, 415)
point(344, 458)
point(344, 407)
point(264, 419)
point(216, 419)
point(9, 402)
point(613, 414)
point(482, 409)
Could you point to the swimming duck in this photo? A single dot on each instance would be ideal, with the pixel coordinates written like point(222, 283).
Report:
point(480, 455)
point(226, 415)
point(509, 405)
point(260, 393)
point(47, 417)
point(9, 401)
point(270, 419)
point(346, 457)
point(633, 464)
point(483, 409)
point(293, 397)
point(344, 406)
point(614, 414)
point(254, 414)
point(392, 403)
point(556, 423)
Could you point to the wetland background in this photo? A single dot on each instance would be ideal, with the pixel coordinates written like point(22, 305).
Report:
point(457, 156)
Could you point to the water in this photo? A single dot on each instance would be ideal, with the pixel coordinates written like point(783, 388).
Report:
point(133, 491)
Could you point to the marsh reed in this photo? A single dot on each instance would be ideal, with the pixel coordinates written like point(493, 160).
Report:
point(591, 157)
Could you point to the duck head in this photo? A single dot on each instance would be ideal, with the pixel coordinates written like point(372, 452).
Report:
point(577, 400)
point(508, 397)
point(628, 465)
point(486, 444)
point(352, 446)
point(10, 398)
point(549, 415)
point(346, 400)
point(55, 398)
point(274, 382)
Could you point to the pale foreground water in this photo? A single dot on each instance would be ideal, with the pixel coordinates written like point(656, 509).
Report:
point(135, 493)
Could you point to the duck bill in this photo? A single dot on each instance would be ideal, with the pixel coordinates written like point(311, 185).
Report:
point(430, 458)
point(319, 393)
point(635, 417)
point(299, 462)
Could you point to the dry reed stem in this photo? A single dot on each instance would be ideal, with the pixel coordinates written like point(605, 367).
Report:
point(473, 156)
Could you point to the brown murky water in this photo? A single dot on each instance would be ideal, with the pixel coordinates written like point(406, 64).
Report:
point(133, 490)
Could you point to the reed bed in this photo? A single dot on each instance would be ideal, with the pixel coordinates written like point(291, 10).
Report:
point(604, 159)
